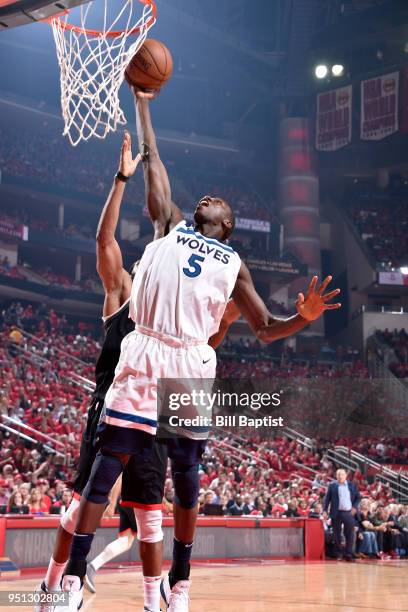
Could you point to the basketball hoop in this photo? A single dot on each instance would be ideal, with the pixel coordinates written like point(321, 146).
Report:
point(92, 64)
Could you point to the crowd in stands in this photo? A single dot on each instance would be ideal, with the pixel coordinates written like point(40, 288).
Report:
point(254, 359)
point(392, 349)
point(381, 450)
point(278, 477)
point(267, 368)
point(89, 168)
point(49, 159)
point(381, 218)
point(38, 389)
point(46, 220)
point(91, 283)
point(21, 216)
point(381, 530)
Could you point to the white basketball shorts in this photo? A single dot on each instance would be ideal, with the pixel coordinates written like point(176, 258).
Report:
point(146, 356)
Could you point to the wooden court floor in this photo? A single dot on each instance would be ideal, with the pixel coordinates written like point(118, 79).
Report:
point(260, 587)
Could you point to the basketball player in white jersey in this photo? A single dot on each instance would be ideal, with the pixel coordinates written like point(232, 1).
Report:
point(208, 272)
point(179, 294)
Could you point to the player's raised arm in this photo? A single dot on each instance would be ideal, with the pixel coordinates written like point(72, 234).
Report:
point(268, 328)
point(163, 212)
point(116, 280)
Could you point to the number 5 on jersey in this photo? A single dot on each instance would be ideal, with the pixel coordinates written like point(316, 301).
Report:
point(194, 268)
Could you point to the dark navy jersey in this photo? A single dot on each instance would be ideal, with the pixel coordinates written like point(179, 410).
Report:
point(117, 326)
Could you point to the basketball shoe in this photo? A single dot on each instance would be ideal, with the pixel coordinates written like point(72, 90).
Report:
point(177, 599)
point(72, 586)
point(89, 578)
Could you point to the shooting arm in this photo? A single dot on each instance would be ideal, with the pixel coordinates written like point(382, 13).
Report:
point(163, 212)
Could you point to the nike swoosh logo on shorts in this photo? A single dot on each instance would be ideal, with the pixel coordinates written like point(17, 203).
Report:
point(204, 362)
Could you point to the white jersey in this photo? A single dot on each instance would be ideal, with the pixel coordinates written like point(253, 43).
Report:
point(183, 283)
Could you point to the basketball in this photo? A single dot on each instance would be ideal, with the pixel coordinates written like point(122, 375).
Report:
point(151, 66)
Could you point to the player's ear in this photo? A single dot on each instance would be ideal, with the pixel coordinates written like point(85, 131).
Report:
point(227, 224)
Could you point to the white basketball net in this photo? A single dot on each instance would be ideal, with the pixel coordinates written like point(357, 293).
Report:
point(92, 68)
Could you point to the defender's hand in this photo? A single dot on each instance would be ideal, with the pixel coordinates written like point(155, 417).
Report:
point(128, 165)
point(313, 306)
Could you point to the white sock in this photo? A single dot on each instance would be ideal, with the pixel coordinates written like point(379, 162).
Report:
point(151, 590)
point(114, 549)
point(53, 576)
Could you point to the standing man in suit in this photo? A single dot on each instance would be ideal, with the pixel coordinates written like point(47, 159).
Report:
point(343, 498)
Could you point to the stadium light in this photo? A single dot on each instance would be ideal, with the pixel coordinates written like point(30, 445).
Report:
point(404, 270)
point(337, 70)
point(321, 71)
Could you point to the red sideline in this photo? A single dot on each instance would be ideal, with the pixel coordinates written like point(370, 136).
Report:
point(312, 528)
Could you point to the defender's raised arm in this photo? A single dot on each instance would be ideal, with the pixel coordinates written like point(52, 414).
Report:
point(114, 277)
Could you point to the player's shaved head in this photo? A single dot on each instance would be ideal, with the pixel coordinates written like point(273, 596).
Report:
point(217, 212)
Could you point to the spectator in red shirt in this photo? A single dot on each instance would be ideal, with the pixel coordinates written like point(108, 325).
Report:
point(36, 504)
point(279, 507)
point(303, 509)
point(43, 485)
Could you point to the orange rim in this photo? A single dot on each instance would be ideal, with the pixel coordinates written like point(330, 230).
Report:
point(115, 33)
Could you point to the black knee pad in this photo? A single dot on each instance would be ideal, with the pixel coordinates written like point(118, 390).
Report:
point(106, 470)
point(186, 484)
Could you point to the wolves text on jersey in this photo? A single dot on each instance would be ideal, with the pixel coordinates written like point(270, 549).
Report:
point(204, 248)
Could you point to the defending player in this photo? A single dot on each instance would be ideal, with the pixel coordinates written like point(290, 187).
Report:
point(179, 294)
point(146, 502)
point(143, 482)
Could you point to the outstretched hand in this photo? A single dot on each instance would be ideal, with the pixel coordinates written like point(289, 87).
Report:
point(314, 304)
point(128, 165)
